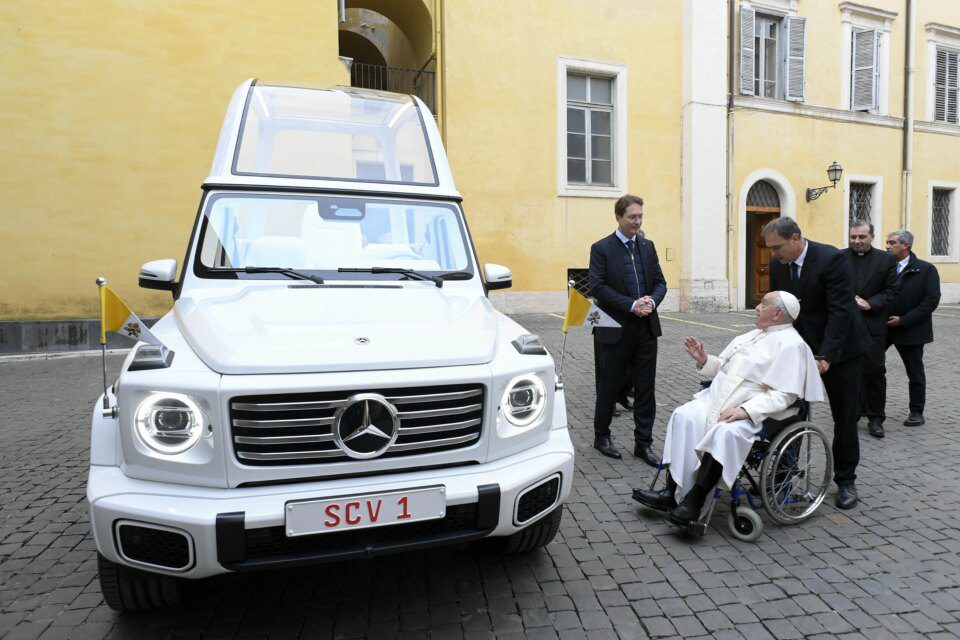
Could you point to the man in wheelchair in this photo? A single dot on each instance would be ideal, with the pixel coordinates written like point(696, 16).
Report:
point(760, 375)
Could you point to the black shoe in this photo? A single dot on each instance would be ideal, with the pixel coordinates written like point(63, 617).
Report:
point(605, 447)
point(915, 420)
point(847, 497)
point(646, 454)
point(662, 500)
point(685, 514)
point(875, 428)
point(624, 402)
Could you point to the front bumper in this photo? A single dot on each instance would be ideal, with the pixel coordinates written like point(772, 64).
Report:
point(242, 528)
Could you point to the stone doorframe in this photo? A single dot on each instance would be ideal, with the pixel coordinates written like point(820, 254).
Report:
point(788, 207)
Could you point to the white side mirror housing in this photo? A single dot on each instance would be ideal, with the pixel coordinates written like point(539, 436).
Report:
point(497, 276)
point(159, 274)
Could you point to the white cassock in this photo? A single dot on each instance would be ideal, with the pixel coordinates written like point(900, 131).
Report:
point(763, 371)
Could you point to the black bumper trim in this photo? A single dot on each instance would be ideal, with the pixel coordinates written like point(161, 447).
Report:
point(230, 538)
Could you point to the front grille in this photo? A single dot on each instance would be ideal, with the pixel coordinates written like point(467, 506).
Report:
point(272, 542)
point(157, 547)
point(297, 428)
point(538, 500)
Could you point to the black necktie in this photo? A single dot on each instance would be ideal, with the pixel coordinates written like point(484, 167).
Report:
point(631, 247)
point(794, 275)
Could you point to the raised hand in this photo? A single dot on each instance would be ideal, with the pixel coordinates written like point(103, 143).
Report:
point(696, 349)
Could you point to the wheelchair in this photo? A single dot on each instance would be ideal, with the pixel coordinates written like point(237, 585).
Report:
point(787, 474)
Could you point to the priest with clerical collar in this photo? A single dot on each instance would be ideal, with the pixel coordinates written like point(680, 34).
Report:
point(758, 376)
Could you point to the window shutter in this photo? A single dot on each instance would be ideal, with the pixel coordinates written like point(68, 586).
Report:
point(796, 58)
point(747, 18)
point(863, 77)
point(945, 98)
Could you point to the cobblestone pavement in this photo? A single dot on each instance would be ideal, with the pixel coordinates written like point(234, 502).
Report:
point(888, 569)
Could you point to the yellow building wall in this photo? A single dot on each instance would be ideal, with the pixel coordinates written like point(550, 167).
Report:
point(936, 158)
point(109, 117)
point(501, 128)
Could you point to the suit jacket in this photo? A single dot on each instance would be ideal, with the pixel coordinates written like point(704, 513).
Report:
point(830, 321)
point(919, 295)
point(608, 284)
point(876, 282)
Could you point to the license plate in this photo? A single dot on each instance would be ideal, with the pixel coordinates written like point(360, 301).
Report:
point(308, 517)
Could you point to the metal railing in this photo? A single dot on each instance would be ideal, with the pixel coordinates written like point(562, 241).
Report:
point(395, 79)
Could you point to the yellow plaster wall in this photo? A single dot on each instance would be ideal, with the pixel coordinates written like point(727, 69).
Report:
point(936, 157)
point(109, 117)
point(501, 107)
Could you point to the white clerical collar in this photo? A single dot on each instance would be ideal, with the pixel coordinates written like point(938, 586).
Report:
point(778, 327)
point(803, 255)
point(624, 239)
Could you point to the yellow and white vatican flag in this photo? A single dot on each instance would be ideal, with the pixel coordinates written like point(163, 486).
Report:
point(583, 312)
point(116, 316)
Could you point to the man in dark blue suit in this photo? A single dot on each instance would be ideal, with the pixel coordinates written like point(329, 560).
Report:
point(832, 325)
point(628, 284)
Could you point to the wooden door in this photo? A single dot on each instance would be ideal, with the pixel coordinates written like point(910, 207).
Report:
point(758, 256)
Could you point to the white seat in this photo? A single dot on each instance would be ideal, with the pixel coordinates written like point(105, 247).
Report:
point(278, 251)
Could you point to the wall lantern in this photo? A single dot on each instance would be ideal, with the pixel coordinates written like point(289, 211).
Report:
point(834, 171)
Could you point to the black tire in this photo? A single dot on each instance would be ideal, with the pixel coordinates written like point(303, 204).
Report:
point(537, 535)
point(126, 589)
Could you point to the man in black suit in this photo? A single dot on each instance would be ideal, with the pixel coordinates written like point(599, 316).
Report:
point(627, 283)
point(831, 323)
point(874, 287)
point(910, 325)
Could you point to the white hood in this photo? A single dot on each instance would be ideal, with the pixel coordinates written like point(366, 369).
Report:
point(279, 328)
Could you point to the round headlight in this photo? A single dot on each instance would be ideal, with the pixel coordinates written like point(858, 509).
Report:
point(523, 400)
point(169, 423)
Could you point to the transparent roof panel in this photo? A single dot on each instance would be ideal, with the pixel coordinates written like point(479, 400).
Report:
point(291, 132)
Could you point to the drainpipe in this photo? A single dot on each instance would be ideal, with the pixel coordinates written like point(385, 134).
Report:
point(440, 76)
point(906, 204)
point(731, 202)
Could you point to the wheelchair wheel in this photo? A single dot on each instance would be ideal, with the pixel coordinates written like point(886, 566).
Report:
point(746, 525)
point(795, 473)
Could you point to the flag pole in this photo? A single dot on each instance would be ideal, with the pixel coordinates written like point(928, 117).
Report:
point(563, 345)
point(101, 283)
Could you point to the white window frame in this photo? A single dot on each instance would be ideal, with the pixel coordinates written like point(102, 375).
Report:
point(617, 73)
point(953, 254)
point(876, 203)
point(939, 36)
point(855, 17)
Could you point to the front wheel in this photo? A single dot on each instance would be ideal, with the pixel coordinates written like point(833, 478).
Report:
point(536, 535)
point(126, 589)
point(745, 525)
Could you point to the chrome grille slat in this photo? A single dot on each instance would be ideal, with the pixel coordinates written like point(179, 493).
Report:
point(430, 444)
point(437, 428)
point(322, 437)
point(297, 428)
point(436, 413)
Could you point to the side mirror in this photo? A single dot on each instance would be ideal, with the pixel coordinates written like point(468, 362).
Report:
point(159, 274)
point(497, 276)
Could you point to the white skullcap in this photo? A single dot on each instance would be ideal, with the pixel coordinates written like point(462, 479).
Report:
point(790, 303)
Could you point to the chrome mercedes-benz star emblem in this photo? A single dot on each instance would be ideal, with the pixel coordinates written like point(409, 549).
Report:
point(366, 426)
point(361, 340)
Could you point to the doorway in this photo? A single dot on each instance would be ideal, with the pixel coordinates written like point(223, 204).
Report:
point(763, 205)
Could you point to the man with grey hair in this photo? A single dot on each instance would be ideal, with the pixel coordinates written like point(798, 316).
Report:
point(759, 375)
point(832, 324)
point(910, 325)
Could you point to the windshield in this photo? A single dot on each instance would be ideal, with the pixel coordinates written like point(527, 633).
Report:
point(321, 234)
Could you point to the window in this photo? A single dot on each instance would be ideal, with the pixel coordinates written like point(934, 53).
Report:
point(864, 203)
point(944, 239)
point(864, 70)
point(861, 202)
point(865, 57)
point(945, 86)
point(591, 132)
point(772, 55)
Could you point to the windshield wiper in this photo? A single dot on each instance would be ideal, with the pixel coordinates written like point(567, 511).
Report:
point(290, 273)
point(410, 273)
point(457, 275)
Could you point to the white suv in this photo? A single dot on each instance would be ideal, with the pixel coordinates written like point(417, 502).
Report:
point(335, 382)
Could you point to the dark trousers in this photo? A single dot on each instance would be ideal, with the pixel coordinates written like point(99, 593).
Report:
point(626, 383)
point(637, 347)
point(873, 392)
point(912, 356)
point(842, 382)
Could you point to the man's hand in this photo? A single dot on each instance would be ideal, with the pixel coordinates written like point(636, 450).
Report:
point(737, 413)
point(643, 307)
point(893, 321)
point(823, 366)
point(863, 304)
point(697, 350)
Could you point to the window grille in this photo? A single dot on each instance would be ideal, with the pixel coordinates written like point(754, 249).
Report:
point(940, 224)
point(762, 194)
point(861, 202)
point(590, 127)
